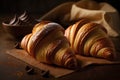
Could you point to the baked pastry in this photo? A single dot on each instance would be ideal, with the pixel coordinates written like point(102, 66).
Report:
point(90, 39)
point(48, 44)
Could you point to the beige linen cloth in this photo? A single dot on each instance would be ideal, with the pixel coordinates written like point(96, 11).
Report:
point(102, 13)
point(70, 12)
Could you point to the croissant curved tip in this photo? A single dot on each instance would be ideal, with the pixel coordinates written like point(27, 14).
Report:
point(110, 56)
point(72, 63)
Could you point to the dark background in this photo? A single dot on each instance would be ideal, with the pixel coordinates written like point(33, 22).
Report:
point(14, 69)
point(38, 6)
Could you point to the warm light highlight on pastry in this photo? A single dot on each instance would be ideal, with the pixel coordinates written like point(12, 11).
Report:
point(90, 39)
point(48, 44)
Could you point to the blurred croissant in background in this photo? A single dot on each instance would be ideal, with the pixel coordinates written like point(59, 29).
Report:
point(90, 39)
point(48, 44)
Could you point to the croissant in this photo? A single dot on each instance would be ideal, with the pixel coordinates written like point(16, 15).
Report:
point(90, 39)
point(48, 44)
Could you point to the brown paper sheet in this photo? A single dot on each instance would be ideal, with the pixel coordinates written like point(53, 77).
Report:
point(23, 55)
point(54, 70)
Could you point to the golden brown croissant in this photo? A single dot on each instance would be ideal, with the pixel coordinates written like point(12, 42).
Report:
point(90, 39)
point(48, 44)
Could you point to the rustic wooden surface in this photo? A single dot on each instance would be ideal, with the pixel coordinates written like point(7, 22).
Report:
point(14, 69)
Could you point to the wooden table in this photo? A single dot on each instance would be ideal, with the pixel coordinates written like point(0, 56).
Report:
point(14, 69)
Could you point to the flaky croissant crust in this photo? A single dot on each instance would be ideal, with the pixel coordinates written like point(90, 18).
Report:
point(48, 44)
point(90, 39)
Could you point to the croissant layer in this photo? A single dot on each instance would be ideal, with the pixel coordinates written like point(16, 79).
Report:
point(90, 39)
point(48, 44)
